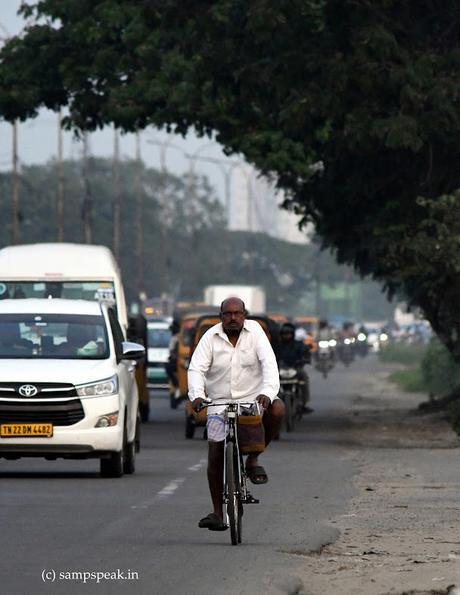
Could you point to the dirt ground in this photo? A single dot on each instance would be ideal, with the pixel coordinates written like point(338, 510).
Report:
point(401, 532)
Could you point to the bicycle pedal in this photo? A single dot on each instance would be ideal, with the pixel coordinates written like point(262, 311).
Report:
point(250, 499)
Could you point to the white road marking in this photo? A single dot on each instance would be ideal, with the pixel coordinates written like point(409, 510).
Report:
point(170, 488)
point(198, 466)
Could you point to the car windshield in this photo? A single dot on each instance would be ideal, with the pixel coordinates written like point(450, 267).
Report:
point(53, 336)
point(102, 291)
point(159, 337)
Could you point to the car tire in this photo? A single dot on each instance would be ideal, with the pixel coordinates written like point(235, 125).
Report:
point(173, 402)
point(112, 466)
point(144, 411)
point(137, 436)
point(129, 460)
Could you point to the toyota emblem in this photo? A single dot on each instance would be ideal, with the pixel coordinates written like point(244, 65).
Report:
point(28, 390)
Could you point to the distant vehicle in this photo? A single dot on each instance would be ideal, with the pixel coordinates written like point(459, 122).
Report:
point(67, 387)
point(376, 337)
point(325, 355)
point(158, 338)
point(252, 295)
point(62, 270)
point(309, 323)
point(278, 317)
point(157, 308)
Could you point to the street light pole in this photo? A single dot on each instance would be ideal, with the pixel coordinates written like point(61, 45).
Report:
point(60, 185)
point(140, 217)
point(87, 198)
point(116, 205)
point(15, 187)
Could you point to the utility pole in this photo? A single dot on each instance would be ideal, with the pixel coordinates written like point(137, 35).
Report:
point(15, 188)
point(116, 204)
point(87, 198)
point(317, 269)
point(140, 217)
point(60, 185)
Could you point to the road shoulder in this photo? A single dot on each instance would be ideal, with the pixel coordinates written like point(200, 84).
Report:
point(401, 531)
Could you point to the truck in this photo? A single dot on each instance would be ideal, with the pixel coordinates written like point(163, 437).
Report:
point(253, 296)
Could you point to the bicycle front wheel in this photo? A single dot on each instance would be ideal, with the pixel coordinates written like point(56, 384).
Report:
point(234, 505)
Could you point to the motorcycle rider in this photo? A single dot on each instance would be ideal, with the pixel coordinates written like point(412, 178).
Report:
point(171, 364)
point(295, 354)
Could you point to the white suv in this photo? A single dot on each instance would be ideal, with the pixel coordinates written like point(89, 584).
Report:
point(67, 386)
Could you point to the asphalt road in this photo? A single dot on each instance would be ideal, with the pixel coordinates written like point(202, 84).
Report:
point(59, 519)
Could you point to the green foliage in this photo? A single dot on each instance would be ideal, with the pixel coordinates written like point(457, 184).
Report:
point(410, 380)
point(441, 373)
point(402, 353)
point(429, 369)
point(369, 88)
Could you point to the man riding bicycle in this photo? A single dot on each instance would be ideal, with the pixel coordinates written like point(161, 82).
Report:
point(233, 360)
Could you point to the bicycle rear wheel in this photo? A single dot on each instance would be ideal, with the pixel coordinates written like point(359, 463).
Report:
point(234, 505)
point(289, 411)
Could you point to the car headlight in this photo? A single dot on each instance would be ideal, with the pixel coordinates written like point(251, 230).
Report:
point(323, 344)
point(102, 388)
point(332, 343)
point(108, 420)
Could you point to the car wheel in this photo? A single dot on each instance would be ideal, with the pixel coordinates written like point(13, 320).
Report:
point(172, 400)
point(144, 411)
point(137, 436)
point(129, 462)
point(113, 465)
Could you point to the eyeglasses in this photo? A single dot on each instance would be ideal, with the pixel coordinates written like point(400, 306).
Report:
point(237, 314)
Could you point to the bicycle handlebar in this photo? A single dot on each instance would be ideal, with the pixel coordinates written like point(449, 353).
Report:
point(206, 402)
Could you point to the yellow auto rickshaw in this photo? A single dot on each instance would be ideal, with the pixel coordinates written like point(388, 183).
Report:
point(192, 418)
point(311, 326)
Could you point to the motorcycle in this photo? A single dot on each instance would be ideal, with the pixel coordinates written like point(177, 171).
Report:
point(290, 386)
point(362, 346)
point(325, 356)
point(346, 351)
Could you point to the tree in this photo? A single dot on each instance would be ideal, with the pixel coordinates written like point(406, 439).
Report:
point(351, 105)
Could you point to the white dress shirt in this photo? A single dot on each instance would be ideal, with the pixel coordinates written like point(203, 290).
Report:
point(220, 371)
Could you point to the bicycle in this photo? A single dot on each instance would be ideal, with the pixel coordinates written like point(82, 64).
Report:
point(235, 479)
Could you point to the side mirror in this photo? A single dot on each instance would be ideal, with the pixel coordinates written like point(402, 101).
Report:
point(134, 351)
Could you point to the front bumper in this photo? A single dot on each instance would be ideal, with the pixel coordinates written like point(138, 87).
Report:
point(80, 440)
point(156, 373)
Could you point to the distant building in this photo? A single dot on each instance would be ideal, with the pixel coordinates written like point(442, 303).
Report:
point(255, 206)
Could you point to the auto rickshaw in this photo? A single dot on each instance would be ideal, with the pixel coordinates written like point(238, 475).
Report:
point(311, 326)
point(278, 317)
point(199, 327)
point(184, 353)
point(192, 418)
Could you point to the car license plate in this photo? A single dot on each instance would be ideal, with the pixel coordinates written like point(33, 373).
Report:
point(26, 430)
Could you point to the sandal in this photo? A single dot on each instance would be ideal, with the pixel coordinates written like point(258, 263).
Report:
point(212, 522)
point(257, 474)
